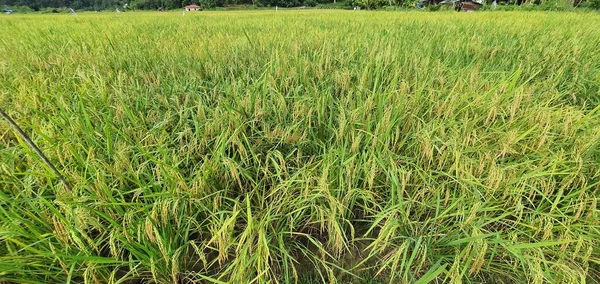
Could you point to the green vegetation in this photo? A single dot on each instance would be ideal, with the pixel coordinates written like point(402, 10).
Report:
point(315, 146)
point(62, 6)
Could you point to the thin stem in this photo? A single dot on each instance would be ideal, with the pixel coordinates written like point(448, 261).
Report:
point(35, 148)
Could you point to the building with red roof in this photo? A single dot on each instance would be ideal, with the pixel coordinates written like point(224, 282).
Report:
point(193, 7)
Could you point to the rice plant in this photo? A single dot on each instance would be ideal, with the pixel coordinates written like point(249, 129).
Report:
point(301, 147)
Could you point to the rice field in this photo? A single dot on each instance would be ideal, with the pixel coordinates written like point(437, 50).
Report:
point(301, 147)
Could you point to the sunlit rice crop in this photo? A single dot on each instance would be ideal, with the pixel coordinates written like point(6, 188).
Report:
point(312, 146)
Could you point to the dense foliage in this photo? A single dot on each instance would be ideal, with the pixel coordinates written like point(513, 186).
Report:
point(327, 145)
point(148, 4)
point(55, 5)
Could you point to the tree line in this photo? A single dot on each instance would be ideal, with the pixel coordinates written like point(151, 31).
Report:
point(37, 5)
point(97, 5)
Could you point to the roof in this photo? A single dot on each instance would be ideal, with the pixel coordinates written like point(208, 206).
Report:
point(192, 6)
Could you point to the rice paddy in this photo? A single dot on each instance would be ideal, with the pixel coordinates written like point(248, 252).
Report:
point(301, 147)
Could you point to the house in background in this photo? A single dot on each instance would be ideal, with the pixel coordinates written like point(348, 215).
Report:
point(463, 5)
point(193, 7)
point(470, 6)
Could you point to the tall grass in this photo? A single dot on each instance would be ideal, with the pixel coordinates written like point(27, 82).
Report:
point(324, 146)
